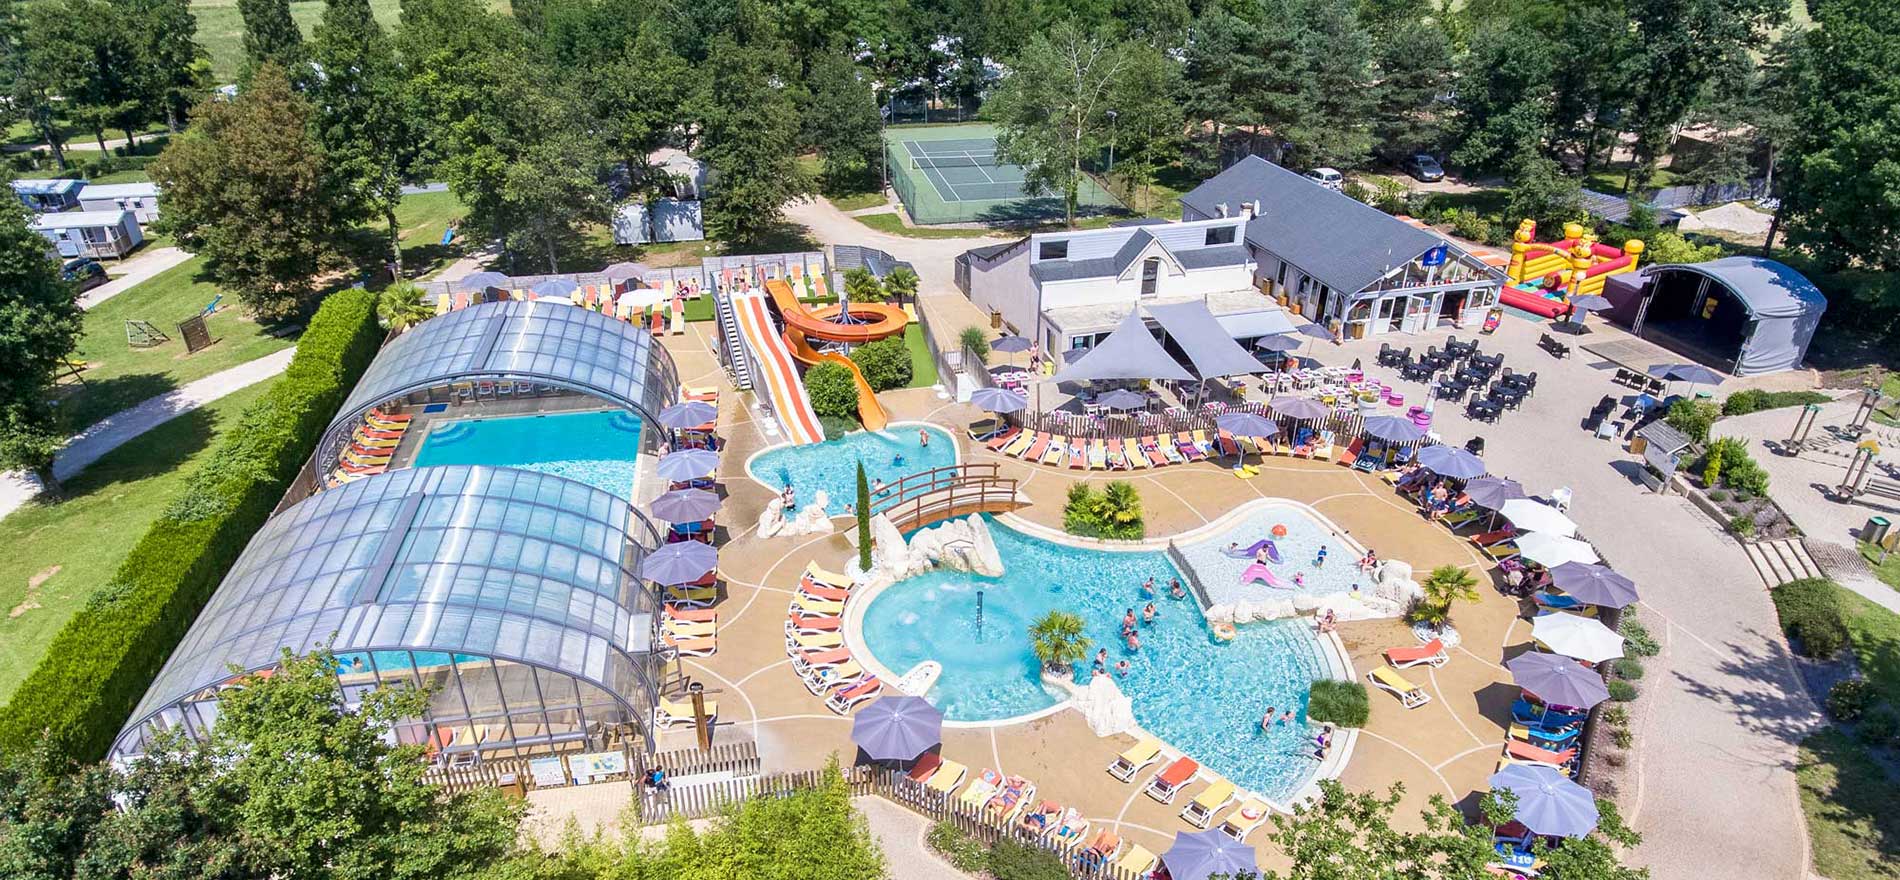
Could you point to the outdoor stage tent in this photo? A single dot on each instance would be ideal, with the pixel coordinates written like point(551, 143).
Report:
point(1208, 345)
point(1131, 352)
point(1754, 315)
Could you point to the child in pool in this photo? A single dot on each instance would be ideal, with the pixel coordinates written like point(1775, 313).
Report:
point(1148, 614)
point(1175, 589)
point(1122, 667)
point(1320, 560)
point(1299, 579)
point(1148, 587)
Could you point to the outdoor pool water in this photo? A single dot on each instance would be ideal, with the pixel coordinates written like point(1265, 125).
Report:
point(1199, 695)
point(833, 464)
point(1220, 573)
point(598, 448)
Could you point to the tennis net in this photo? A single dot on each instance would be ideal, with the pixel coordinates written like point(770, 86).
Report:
point(959, 160)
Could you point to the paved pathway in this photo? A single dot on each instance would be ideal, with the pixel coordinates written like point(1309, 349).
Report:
point(900, 833)
point(116, 430)
point(134, 272)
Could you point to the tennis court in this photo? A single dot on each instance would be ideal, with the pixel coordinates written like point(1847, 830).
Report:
point(951, 174)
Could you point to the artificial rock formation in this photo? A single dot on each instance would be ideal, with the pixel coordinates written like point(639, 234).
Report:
point(810, 519)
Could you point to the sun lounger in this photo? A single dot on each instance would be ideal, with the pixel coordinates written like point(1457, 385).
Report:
point(1205, 445)
point(1244, 819)
point(1116, 461)
point(1527, 712)
point(694, 615)
point(1228, 445)
point(696, 596)
point(1038, 446)
point(1133, 454)
point(1172, 778)
point(948, 777)
point(1098, 455)
point(822, 594)
point(1532, 733)
point(1136, 862)
point(1486, 539)
point(1184, 442)
point(812, 623)
point(823, 658)
point(1068, 830)
point(1431, 653)
point(1526, 752)
point(925, 767)
point(1100, 851)
point(1211, 800)
point(1502, 550)
point(669, 712)
point(1003, 806)
point(705, 646)
point(1386, 678)
point(1042, 819)
point(812, 641)
point(826, 678)
point(1323, 448)
point(1078, 455)
point(1156, 458)
point(825, 577)
point(1135, 759)
point(989, 431)
point(1507, 760)
point(1058, 447)
point(1170, 449)
point(1018, 443)
point(817, 606)
point(844, 700)
point(681, 629)
point(987, 784)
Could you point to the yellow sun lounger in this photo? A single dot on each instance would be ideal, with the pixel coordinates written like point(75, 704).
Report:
point(1386, 678)
point(1211, 800)
point(817, 606)
point(670, 712)
point(1137, 861)
point(979, 792)
point(1021, 444)
point(813, 641)
point(1098, 455)
point(1244, 819)
point(827, 577)
point(1138, 756)
point(1058, 451)
point(1132, 451)
point(948, 776)
point(688, 629)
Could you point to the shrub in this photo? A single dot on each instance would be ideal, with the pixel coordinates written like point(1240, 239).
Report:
point(102, 660)
point(1756, 400)
point(1058, 640)
point(1466, 223)
point(1622, 737)
point(1693, 418)
point(1746, 477)
point(976, 339)
point(1114, 512)
point(1637, 641)
point(832, 389)
point(963, 852)
point(1811, 614)
point(1629, 668)
point(1878, 726)
point(1717, 495)
point(1722, 452)
point(1850, 699)
point(1391, 196)
point(836, 426)
point(884, 363)
point(1447, 584)
point(1621, 691)
point(1344, 703)
point(1742, 525)
point(1616, 716)
point(1010, 860)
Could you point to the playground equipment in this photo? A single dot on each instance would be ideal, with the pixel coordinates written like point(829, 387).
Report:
point(1859, 478)
point(1803, 425)
point(838, 327)
point(1545, 276)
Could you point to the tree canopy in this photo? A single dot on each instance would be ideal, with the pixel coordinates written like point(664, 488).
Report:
point(39, 324)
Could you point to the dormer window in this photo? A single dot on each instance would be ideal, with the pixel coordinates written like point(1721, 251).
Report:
point(1053, 250)
point(1220, 235)
point(1150, 275)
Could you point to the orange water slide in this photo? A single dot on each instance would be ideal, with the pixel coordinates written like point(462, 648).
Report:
point(800, 323)
point(870, 412)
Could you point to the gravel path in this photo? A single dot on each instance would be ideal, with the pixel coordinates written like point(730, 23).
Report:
point(900, 833)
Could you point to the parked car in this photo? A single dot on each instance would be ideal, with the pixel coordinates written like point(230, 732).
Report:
point(1329, 178)
point(84, 273)
point(1425, 168)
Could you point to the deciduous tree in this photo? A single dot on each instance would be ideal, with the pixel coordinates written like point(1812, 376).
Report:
point(362, 116)
point(749, 128)
point(39, 323)
point(843, 124)
point(271, 35)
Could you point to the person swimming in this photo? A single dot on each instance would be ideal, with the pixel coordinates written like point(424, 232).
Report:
point(1148, 587)
point(1134, 641)
point(923, 438)
point(1175, 589)
point(897, 460)
point(1148, 613)
point(1128, 621)
point(1286, 717)
point(1101, 661)
point(1122, 667)
point(1266, 721)
point(1319, 561)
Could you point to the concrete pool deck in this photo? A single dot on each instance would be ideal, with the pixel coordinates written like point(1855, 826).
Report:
point(1445, 748)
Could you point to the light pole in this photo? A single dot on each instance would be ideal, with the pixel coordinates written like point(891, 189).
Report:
point(1111, 141)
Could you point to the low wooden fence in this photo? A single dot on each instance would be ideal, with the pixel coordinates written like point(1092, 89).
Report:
point(1344, 424)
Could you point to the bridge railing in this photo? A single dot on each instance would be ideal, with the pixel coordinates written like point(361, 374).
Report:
point(944, 492)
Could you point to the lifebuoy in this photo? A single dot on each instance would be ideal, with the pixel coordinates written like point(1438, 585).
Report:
point(1223, 631)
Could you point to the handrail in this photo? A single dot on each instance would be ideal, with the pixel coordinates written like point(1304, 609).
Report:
point(944, 492)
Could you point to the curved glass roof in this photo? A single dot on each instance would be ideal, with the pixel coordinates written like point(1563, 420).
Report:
point(504, 563)
point(542, 341)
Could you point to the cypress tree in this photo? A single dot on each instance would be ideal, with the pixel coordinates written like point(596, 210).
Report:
point(864, 520)
point(270, 34)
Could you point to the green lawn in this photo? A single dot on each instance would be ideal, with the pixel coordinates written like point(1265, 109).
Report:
point(892, 224)
point(923, 367)
point(1888, 571)
point(1852, 805)
point(858, 201)
point(60, 553)
point(118, 375)
point(422, 218)
point(1876, 635)
point(221, 28)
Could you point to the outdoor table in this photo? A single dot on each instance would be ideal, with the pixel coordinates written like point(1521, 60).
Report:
point(1507, 396)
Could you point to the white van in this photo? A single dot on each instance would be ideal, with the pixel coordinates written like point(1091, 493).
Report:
point(1328, 177)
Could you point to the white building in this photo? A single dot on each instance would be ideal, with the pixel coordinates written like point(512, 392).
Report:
point(1069, 290)
point(90, 233)
point(139, 198)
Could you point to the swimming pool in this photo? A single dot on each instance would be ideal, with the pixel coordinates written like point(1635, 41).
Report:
point(599, 448)
point(833, 464)
point(1305, 534)
point(1199, 695)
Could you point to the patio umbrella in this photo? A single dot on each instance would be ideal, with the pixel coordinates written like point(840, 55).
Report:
point(623, 271)
point(1279, 342)
point(1547, 802)
point(1011, 345)
point(680, 563)
point(1694, 374)
point(1198, 855)
point(1246, 424)
point(688, 464)
point(1394, 429)
point(555, 288)
point(1314, 330)
point(1594, 584)
point(1558, 680)
point(685, 505)
point(1123, 399)
point(688, 414)
point(1535, 516)
point(1573, 636)
point(999, 400)
point(480, 281)
point(1299, 408)
point(897, 728)
point(1591, 303)
point(1450, 461)
point(1492, 492)
point(1551, 550)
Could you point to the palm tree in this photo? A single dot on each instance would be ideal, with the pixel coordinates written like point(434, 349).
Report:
point(402, 305)
point(902, 283)
point(1445, 585)
point(1058, 641)
point(1120, 511)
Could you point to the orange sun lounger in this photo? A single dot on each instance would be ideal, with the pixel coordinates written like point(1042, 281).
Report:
point(1431, 654)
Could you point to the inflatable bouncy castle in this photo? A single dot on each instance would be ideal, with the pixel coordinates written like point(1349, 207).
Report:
point(1543, 277)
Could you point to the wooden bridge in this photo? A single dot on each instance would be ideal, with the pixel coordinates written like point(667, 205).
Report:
point(946, 492)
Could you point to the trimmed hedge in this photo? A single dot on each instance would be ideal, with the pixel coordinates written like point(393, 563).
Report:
point(101, 662)
point(1756, 400)
point(1811, 613)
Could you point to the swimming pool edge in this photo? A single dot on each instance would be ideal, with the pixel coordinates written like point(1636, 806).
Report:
point(956, 451)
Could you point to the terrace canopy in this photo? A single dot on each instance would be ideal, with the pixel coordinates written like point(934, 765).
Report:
point(547, 343)
point(1208, 345)
point(1131, 352)
point(510, 594)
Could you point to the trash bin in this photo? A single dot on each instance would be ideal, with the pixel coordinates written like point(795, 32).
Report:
point(1875, 530)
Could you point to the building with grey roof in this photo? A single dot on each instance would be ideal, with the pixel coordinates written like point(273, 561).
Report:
point(41, 196)
point(1070, 290)
point(1337, 260)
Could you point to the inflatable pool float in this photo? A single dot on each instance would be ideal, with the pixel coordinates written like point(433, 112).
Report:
point(1247, 552)
point(1279, 530)
point(1259, 572)
point(1223, 631)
